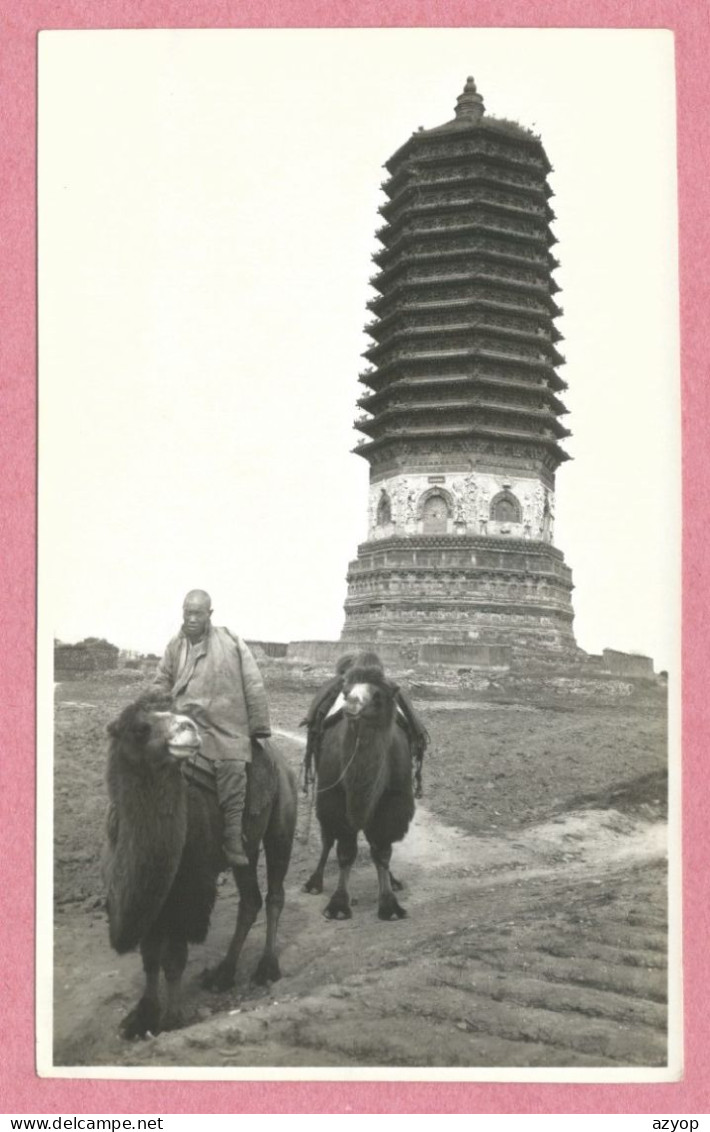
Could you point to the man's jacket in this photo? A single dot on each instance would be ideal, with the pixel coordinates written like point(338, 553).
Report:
point(218, 684)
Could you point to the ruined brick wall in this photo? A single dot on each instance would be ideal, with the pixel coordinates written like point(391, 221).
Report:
point(627, 664)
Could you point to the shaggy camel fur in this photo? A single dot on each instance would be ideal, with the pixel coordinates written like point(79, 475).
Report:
point(364, 783)
point(165, 853)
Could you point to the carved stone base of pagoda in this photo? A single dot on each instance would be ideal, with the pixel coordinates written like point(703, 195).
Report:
point(490, 591)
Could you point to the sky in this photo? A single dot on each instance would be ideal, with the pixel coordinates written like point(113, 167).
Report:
point(207, 209)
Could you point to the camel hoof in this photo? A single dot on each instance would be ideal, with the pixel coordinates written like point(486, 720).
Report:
point(174, 1021)
point(314, 885)
point(268, 971)
point(144, 1019)
point(219, 978)
point(390, 909)
point(338, 910)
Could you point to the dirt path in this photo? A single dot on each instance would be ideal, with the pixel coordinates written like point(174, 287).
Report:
point(541, 947)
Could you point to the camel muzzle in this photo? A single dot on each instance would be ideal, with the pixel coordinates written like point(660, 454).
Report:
point(184, 738)
point(357, 700)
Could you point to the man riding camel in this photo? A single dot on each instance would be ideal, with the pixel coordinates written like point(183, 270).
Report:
point(213, 678)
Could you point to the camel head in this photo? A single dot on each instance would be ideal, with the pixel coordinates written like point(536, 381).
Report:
point(369, 695)
point(149, 733)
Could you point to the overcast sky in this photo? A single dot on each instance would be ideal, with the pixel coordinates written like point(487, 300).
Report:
point(208, 202)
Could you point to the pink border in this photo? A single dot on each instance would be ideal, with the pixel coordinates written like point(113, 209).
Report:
point(22, 1091)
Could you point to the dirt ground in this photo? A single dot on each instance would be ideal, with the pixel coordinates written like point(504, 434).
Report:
point(535, 882)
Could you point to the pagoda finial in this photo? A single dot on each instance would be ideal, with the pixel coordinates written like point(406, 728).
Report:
point(469, 104)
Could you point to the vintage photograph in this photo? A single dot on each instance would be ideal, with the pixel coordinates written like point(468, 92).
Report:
point(359, 554)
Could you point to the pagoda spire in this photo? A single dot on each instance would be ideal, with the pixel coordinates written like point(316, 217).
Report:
point(469, 104)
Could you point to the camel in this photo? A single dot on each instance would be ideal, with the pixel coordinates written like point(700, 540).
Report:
point(164, 854)
point(364, 782)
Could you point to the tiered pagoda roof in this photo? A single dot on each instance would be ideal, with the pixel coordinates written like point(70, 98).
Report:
point(463, 333)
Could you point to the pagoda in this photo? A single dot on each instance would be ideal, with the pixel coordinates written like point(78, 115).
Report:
point(461, 415)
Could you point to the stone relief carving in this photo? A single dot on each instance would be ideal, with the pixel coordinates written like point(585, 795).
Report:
point(372, 512)
point(470, 490)
point(384, 509)
point(548, 521)
point(468, 498)
point(483, 511)
point(459, 504)
point(542, 511)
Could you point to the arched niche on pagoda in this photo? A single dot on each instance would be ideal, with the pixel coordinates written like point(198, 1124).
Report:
point(506, 514)
point(435, 511)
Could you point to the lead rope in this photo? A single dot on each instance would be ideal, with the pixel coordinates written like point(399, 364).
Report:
point(345, 768)
point(310, 787)
point(306, 782)
point(309, 815)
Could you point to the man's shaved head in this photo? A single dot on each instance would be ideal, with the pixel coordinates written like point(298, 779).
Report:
point(196, 597)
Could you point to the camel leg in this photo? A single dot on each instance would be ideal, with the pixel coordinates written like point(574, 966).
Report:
point(145, 1016)
point(173, 959)
point(278, 855)
point(388, 907)
point(338, 907)
point(314, 884)
point(221, 977)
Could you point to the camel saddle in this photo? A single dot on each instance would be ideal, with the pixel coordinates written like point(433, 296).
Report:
point(199, 771)
point(261, 776)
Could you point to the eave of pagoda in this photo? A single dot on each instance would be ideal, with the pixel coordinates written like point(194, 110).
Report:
point(541, 213)
point(506, 243)
point(449, 171)
point(476, 149)
point(542, 263)
point(452, 331)
point(486, 127)
point(470, 354)
point(385, 423)
point(469, 432)
point(382, 328)
point(542, 238)
point(417, 385)
point(399, 296)
point(416, 194)
point(384, 377)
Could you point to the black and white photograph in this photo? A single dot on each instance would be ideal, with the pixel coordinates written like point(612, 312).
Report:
point(359, 555)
